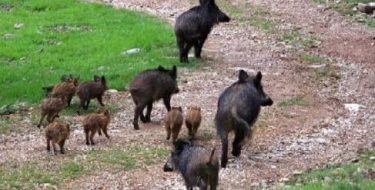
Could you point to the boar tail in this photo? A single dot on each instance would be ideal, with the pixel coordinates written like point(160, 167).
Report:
point(243, 125)
point(211, 156)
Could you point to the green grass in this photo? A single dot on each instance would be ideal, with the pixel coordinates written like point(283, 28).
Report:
point(298, 41)
point(41, 40)
point(345, 7)
point(311, 59)
point(295, 101)
point(259, 15)
point(131, 157)
point(31, 175)
point(352, 176)
point(69, 167)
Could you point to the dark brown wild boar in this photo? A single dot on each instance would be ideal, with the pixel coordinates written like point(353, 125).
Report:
point(193, 120)
point(150, 86)
point(96, 122)
point(51, 106)
point(173, 122)
point(57, 133)
point(198, 166)
point(92, 89)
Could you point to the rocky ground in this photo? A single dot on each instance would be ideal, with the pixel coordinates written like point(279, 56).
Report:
point(323, 112)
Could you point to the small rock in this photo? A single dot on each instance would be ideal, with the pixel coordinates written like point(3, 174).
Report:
point(353, 107)
point(372, 158)
point(112, 91)
point(284, 180)
point(101, 68)
point(131, 51)
point(297, 172)
point(18, 25)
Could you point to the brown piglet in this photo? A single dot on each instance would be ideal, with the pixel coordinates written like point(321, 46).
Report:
point(51, 106)
point(173, 122)
point(193, 120)
point(57, 133)
point(96, 122)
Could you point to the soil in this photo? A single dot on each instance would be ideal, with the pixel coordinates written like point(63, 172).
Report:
point(336, 120)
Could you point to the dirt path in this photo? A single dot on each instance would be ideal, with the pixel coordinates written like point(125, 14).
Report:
point(325, 129)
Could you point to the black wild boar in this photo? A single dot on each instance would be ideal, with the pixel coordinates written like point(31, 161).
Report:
point(197, 166)
point(150, 86)
point(238, 109)
point(193, 26)
point(57, 133)
point(173, 122)
point(51, 106)
point(92, 89)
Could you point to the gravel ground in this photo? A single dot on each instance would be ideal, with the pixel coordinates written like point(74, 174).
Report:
point(335, 123)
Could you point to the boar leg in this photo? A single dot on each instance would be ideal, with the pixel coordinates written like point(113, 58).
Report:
point(167, 102)
point(105, 132)
point(70, 97)
point(198, 47)
point(148, 112)
point(190, 129)
point(61, 143)
point(224, 154)
point(87, 131)
point(93, 131)
point(137, 112)
point(41, 119)
point(48, 144)
point(100, 100)
point(181, 45)
point(54, 148)
point(239, 137)
point(87, 104)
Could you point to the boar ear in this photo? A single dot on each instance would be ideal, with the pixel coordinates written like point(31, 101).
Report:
point(103, 80)
point(257, 79)
point(174, 72)
point(161, 68)
point(202, 2)
point(242, 76)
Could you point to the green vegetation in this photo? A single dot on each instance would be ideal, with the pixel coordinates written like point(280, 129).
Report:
point(298, 41)
point(345, 7)
point(41, 40)
point(311, 59)
point(295, 101)
point(133, 156)
point(59, 169)
point(30, 175)
point(353, 176)
point(258, 15)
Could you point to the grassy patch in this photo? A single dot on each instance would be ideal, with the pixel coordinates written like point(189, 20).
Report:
point(296, 101)
point(259, 15)
point(356, 176)
point(345, 7)
point(41, 40)
point(31, 175)
point(298, 41)
point(327, 72)
point(131, 157)
point(311, 59)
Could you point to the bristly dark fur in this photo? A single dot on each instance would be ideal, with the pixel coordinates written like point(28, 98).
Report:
point(238, 108)
point(92, 89)
point(193, 26)
point(198, 166)
point(150, 86)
